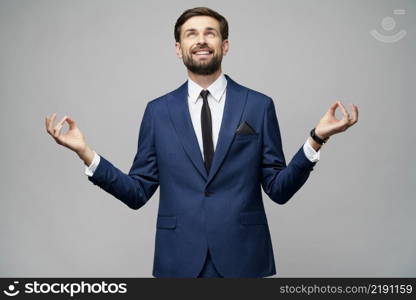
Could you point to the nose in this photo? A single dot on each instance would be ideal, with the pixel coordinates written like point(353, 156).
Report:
point(201, 39)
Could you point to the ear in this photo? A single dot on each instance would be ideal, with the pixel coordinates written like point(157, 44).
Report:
point(178, 49)
point(225, 47)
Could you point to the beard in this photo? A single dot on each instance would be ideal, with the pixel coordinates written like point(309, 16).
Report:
point(203, 67)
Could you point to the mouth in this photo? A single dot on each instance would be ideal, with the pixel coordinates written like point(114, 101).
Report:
point(202, 52)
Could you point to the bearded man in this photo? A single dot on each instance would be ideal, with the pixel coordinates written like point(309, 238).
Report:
point(211, 145)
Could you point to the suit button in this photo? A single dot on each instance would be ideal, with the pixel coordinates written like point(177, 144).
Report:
point(207, 193)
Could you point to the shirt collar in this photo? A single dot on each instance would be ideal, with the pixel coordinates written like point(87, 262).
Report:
point(216, 89)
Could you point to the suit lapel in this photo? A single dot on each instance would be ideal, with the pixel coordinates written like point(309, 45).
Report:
point(235, 101)
point(181, 119)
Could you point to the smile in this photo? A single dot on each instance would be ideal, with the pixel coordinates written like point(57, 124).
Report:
point(203, 52)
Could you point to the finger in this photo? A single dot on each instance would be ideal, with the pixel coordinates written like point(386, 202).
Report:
point(333, 108)
point(354, 110)
point(58, 127)
point(61, 122)
point(352, 118)
point(50, 122)
point(344, 112)
point(46, 122)
point(71, 123)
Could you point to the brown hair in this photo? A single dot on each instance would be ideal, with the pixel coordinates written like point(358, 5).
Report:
point(201, 11)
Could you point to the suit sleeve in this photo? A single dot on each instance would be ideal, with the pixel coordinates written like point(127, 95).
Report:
point(137, 187)
point(280, 181)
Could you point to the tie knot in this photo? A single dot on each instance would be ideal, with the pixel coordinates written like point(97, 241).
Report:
point(204, 94)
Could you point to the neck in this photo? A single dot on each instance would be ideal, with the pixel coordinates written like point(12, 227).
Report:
point(204, 80)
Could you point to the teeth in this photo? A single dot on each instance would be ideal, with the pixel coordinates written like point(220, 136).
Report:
point(202, 52)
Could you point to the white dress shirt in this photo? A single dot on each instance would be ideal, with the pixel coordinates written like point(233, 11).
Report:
point(216, 101)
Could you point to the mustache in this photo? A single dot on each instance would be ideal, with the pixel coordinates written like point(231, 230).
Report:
point(202, 47)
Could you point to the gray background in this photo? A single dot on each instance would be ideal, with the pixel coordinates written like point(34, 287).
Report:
point(102, 61)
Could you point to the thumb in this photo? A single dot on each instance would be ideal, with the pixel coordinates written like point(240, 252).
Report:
point(332, 108)
point(71, 123)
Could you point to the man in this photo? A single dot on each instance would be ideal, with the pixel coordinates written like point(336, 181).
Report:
point(210, 145)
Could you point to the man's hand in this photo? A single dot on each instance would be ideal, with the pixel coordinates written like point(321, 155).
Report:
point(330, 125)
point(72, 139)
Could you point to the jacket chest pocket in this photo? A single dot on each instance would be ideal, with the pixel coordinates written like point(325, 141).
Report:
point(246, 137)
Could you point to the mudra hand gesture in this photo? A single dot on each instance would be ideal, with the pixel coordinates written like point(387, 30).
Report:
point(72, 139)
point(330, 125)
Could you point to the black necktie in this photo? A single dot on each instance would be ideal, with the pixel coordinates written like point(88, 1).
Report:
point(206, 125)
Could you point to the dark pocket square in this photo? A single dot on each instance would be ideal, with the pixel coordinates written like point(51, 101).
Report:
point(245, 128)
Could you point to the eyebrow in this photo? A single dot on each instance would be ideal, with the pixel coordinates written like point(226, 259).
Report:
point(207, 28)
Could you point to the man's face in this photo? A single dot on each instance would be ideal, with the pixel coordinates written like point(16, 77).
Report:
point(201, 46)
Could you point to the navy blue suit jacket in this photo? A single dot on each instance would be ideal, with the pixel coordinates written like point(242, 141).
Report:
point(222, 210)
